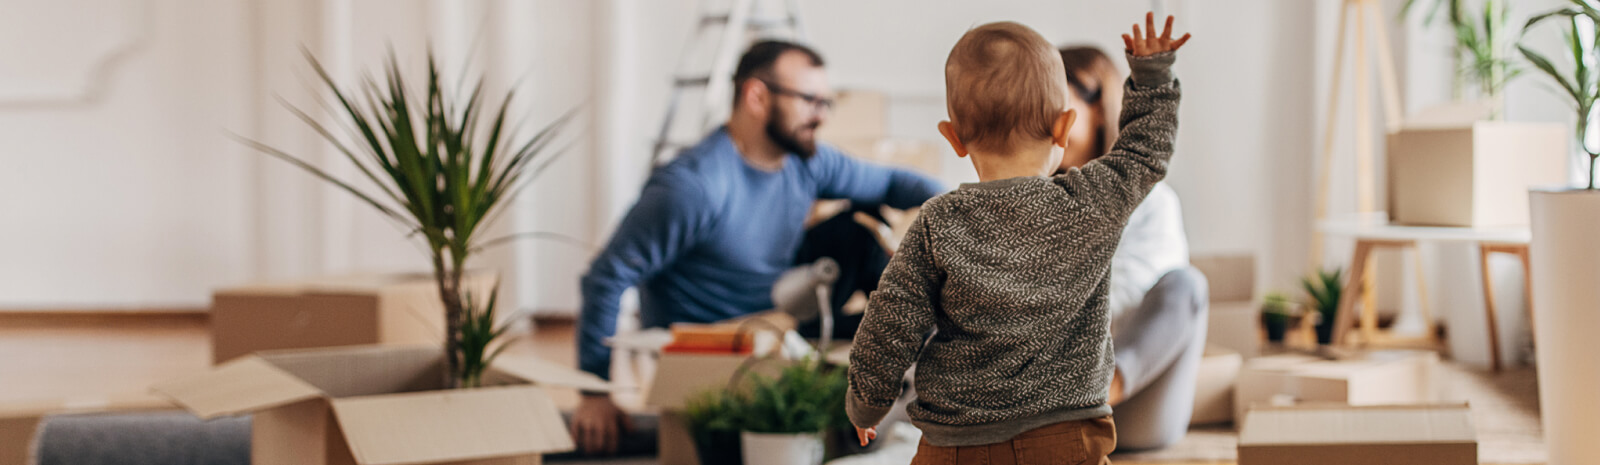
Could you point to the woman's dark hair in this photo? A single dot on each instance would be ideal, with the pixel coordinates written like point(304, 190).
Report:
point(1094, 79)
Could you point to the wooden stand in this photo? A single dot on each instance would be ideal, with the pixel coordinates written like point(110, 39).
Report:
point(1389, 85)
point(1370, 237)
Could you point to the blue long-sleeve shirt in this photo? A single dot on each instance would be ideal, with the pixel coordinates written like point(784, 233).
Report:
point(710, 234)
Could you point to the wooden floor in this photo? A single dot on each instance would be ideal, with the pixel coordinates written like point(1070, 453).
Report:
point(83, 358)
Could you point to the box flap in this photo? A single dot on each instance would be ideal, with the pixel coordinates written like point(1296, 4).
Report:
point(441, 426)
point(1324, 424)
point(550, 374)
point(243, 385)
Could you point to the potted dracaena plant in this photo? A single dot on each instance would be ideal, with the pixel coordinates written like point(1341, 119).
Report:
point(1564, 258)
point(1483, 47)
point(1499, 159)
point(442, 166)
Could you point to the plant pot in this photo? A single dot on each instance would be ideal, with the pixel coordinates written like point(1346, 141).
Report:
point(781, 448)
point(719, 448)
point(1566, 287)
point(1325, 331)
point(1276, 326)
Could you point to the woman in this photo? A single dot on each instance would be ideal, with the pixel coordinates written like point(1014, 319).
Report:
point(1158, 302)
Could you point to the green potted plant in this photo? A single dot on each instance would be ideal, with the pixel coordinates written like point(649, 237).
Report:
point(1563, 253)
point(1323, 292)
point(442, 167)
point(1278, 313)
point(787, 417)
point(1497, 160)
point(1483, 47)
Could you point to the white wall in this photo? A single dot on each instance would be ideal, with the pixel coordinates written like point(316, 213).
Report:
point(1245, 143)
point(122, 190)
point(118, 188)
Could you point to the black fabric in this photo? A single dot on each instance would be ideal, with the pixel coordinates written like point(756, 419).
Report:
point(861, 262)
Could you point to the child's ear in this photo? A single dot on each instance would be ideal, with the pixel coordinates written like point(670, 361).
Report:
point(948, 129)
point(1063, 126)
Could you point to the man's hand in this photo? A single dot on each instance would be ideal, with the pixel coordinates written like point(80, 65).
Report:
point(866, 435)
point(597, 425)
point(889, 235)
point(1140, 46)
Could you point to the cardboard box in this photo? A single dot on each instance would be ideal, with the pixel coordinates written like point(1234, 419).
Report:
point(1389, 377)
point(20, 421)
point(857, 115)
point(380, 405)
point(923, 156)
point(1213, 390)
point(332, 311)
point(1378, 435)
point(1234, 319)
point(1473, 175)
point(680, 376)
point(1235, 326)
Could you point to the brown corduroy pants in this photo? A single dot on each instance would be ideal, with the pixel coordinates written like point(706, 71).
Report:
point(1066, 443)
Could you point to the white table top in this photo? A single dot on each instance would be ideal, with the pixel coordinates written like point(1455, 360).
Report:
point(1383, 231)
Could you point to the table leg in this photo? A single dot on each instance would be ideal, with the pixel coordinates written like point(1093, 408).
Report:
point(1488, 304)
point(1352, 288)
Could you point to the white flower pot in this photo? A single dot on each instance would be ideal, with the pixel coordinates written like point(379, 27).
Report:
point(1566, 302)
point(781, 449)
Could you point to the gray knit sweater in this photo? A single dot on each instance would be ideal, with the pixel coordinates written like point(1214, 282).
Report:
point(1013, 275)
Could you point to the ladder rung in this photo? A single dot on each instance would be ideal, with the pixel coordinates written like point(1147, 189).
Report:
point(770, 23)
point(753, 23)
point(692, 81)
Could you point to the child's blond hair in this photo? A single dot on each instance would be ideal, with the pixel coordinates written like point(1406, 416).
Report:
point(1004, 84)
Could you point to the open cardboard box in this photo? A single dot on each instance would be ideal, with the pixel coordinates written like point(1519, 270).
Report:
point(381, 405)
point(20, 421)
point(1387, 377)
point(1371, 435)
point(359, 309)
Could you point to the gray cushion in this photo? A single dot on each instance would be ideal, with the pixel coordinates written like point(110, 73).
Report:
point(156, 438)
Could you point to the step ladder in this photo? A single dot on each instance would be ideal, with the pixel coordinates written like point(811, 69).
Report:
point(702, 86)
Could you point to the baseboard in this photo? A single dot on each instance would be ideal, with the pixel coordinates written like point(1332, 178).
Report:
point(95, 316)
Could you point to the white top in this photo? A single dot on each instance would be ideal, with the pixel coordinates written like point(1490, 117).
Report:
point(1382, 231)
point(1152, 244)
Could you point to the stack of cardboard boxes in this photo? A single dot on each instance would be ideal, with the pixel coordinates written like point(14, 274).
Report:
point(1307, 408)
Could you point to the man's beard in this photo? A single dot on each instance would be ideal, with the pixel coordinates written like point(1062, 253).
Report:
point(788, 140)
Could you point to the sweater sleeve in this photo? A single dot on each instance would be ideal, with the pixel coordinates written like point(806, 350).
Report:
point(1117, 182)
point(841, 177)
point(898, 314)
point(671, 215)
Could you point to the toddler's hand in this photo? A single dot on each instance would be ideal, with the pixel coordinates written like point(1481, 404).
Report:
point(866, 434)
point(1140, 46)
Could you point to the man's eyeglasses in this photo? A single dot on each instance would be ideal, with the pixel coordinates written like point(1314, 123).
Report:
point(816, 101)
